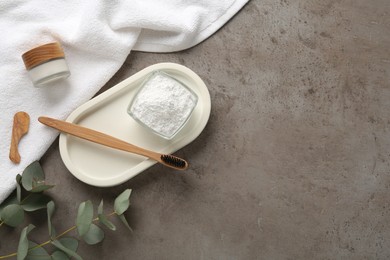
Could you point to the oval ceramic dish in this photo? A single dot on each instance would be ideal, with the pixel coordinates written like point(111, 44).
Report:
point(102, 166)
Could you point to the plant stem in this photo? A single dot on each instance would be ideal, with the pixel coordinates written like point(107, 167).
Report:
point(49, 241)
point(28, 195)
point(7, 256)
point(55, 238)
point(63, 233)
point(112, 213)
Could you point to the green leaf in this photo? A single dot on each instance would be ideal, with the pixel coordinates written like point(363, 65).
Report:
point(104, 220)
point(12, 215)
point(23, 242)
point(122, 202)
point(35, 201)
point(84, 217)
point(18, 188)
point(94, 235)
point(38, 253)
point(70, 243)
point(100, 208)
point(12, 199)
point(32, 176)
point(41, 187)
point(18, 178)
point(50, 210)
point(123, 219)
point(64, 249)
point(59, 255)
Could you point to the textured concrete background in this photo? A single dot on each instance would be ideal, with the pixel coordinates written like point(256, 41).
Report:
point(294, 162)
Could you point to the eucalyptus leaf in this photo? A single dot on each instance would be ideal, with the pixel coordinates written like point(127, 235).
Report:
point(84, 217)
point(35, 201)
point(33, 175)
point(94, 235)
point(104, 220)
point(122, 202)
point(100, 208)
point(70, 243)
point(12, 215)
point(36, 253)
point(50, 210)
point(59, 255)
point(18, 188)
point(24, 243)
point(64, 249)
point(41, 187)
point(123, 219)
point(18, 178)
point(11, 199)
point(39, 257)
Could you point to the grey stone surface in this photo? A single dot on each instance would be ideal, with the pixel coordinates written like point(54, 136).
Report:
point(294, 162)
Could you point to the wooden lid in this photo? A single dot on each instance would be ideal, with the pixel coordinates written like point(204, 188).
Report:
point(42, 54)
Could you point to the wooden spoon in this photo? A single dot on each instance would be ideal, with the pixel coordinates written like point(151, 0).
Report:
point(19, 129)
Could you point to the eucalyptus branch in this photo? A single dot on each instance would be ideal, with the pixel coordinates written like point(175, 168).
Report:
point(33, 182)
point(61, 235)
point(41, 244)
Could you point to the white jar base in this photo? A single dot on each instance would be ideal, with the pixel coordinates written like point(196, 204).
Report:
point(48, 72)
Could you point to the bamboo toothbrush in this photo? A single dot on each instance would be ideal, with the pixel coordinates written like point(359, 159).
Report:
point(110, 141)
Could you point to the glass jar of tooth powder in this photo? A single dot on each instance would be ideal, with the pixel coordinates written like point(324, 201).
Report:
point(163, 104)
point(46, 63)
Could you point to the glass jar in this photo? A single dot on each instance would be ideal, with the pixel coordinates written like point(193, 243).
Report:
point(163, 104)
point(46, 63)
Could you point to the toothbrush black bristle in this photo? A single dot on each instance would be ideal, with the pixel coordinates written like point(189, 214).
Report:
point(174, 161)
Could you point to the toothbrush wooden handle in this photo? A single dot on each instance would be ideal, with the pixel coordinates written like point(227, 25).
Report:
point(97, 137)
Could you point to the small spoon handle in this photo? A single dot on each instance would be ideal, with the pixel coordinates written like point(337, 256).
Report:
point(19, 129)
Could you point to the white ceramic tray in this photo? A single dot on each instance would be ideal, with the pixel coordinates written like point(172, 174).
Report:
point(102, 166)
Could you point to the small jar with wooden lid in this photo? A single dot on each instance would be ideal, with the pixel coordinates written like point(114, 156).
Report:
point(46, 63)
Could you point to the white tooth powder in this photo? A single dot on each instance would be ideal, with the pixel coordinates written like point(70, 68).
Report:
point(163, 104)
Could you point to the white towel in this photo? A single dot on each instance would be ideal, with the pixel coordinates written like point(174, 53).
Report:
point(97, 36)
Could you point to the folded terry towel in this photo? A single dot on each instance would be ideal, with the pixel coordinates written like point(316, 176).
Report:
point(97, 36)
